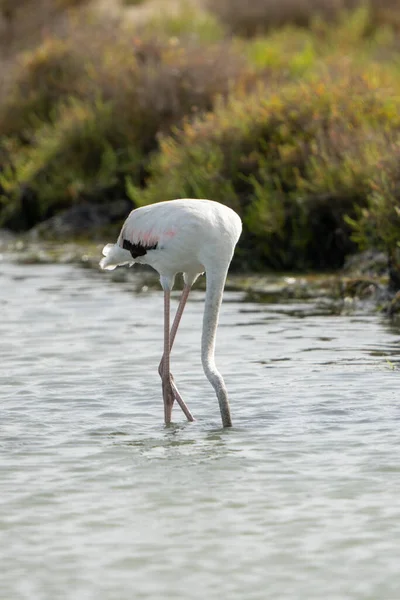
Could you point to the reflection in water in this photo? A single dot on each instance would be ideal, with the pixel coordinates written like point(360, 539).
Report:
point(101, 500)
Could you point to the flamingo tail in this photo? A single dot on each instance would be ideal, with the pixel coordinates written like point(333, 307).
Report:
point(115, 256)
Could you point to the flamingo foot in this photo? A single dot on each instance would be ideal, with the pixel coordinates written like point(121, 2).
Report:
point(181, 402)
point(170, 394)
point(175, 392)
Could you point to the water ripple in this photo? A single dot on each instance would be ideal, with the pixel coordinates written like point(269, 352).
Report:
point(100, 500)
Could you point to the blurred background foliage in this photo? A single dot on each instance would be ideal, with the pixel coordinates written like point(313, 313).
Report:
point(287, 111)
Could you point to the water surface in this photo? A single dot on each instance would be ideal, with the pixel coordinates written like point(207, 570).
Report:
point(99, 500)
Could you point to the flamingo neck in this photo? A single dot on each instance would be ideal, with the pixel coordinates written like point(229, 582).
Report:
point(214, 292)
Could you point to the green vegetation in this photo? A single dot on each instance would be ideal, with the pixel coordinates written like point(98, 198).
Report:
point(289, 114)
point(292, 164)
point(261, 16)
point(188, 23)
point(133, 2)
point(84, 112)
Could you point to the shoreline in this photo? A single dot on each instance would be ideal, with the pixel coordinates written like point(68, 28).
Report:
point(362, 286)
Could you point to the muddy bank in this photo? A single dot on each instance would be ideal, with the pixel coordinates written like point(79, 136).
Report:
point(361, 286)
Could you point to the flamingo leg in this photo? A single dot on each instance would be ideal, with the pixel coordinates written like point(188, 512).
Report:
point(164, 367)
point(168, 395)
point(177, 320)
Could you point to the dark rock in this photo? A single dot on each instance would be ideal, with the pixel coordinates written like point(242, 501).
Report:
point(394, 270)
point(370, 262)
point(82, 219)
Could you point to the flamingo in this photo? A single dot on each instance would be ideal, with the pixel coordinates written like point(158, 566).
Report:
point(191, 237)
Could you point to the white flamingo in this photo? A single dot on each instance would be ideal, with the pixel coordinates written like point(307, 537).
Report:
point(189, 237)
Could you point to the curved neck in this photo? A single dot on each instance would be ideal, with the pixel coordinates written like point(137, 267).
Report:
point(214, 292)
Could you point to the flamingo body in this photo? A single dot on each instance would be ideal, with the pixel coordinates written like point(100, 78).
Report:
point(190, 237)
point(177, 236)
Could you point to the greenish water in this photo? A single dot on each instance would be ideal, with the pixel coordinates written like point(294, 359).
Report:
point(299, 500)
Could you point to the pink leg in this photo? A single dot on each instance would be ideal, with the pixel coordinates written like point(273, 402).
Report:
point(180, 401)
point(177, 320)
point(168, 395)
point(170, 392)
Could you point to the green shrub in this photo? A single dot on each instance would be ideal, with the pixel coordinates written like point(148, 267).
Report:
point(260, 16)
point(84, 155)
point(377, 223)
point(107, 93)
point(292, 163)
point(133, 2)
point(187, 21)
point(290, 52)
point(305, 149)
point(23, 22)
point(44, 77)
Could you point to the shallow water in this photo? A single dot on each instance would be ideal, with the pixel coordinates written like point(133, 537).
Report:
point(99, 500)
